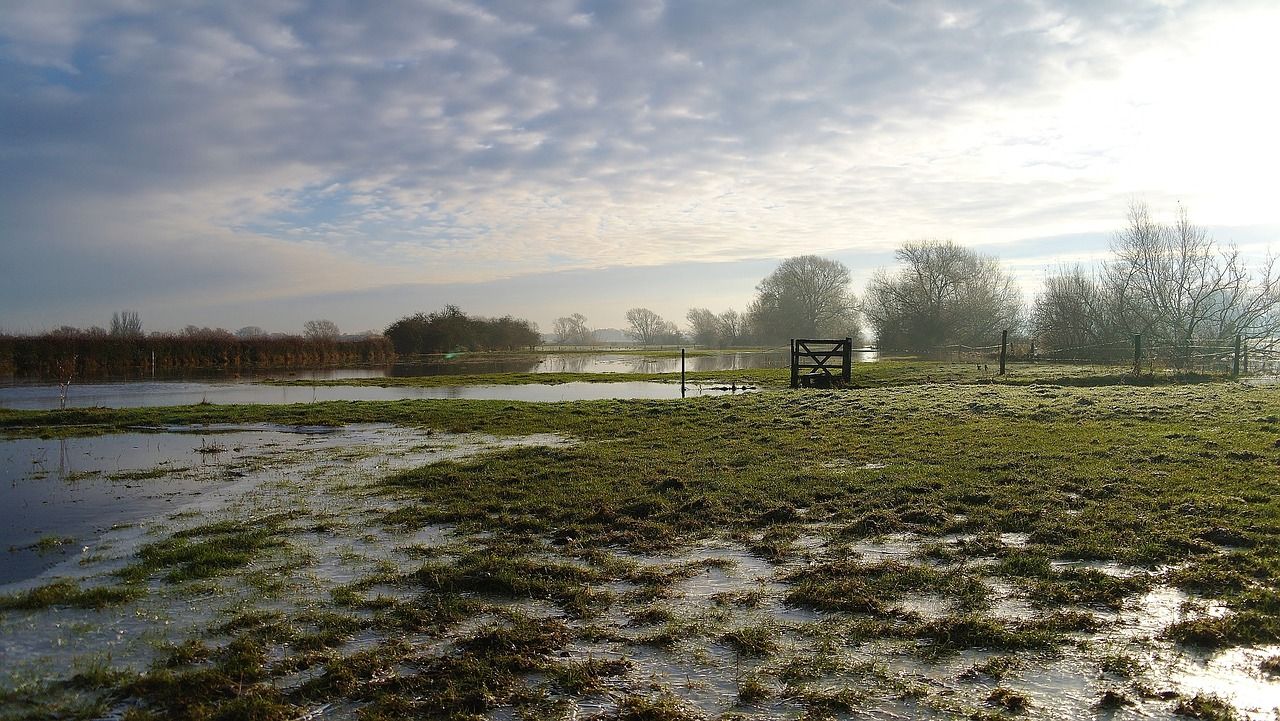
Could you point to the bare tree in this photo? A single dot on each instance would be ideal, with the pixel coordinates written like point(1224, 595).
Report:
point(66, 373)
point(704, 326)
point(572, 330)
point(126, 324)
point(942, 293)
point(731, 327)
point(249, 332)
point(1177, 285)
point(325, 330)
point(647, 327)
point(805, 297)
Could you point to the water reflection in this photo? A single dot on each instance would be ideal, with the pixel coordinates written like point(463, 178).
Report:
point(154, 394)
point(59, 492)
point(477, 364)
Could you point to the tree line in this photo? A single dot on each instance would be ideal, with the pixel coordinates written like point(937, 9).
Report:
point(451, 329)
point(96, 352)
point(1170, 282)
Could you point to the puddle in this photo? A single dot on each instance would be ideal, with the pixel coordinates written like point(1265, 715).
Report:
point(273, 470)
point(891, 547)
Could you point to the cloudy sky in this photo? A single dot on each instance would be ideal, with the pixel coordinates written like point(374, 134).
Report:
point(270, 161)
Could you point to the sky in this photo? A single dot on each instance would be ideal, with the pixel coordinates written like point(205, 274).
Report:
point(272, 161)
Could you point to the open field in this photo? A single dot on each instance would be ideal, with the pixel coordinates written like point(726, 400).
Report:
point(911, 548)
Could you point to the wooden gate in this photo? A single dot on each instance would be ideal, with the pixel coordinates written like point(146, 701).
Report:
point(815, 357)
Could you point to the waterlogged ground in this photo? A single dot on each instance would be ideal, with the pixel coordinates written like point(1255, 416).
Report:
point(928, 551)
point(148, 394)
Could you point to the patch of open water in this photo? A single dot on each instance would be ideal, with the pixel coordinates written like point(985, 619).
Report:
point(147, 394)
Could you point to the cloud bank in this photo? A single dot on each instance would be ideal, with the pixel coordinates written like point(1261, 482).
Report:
point(187, 154)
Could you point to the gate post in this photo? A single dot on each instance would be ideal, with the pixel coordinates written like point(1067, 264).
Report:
point(1004, 347)
point(846, 371)
point(795, 366)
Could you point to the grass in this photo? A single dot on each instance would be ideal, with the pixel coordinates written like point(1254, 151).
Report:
point(1176, 481)
point(207, 551)
point(67, 594)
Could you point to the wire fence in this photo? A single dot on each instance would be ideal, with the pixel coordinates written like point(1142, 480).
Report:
point(1134, 355)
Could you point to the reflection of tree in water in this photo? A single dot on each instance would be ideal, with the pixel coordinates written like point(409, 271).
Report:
point(64, 459)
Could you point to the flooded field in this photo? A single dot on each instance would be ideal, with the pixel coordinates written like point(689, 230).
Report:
point(144, 394)
point(206, 568)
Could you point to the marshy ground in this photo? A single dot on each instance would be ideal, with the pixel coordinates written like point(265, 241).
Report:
point(916, 549)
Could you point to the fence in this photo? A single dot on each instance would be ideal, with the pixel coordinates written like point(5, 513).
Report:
point(1137, 354)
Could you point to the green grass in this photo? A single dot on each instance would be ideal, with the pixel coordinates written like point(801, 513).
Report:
point(67, 593)
point(1177, 481)
point(208, 551)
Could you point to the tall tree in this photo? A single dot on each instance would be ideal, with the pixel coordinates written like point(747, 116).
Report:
point(731, 327)
point(704, 326)
point(1175, 283)
point(647, 327)
point(805, 297)
point(942, 293)
point(572, 330)
point(126, 324)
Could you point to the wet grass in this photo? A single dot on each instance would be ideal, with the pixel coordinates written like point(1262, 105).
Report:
point(1172, 485)
point(207, 551)
point(147, 474)
point(67, 594)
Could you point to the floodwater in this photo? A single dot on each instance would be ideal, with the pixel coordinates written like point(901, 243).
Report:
point(606, 363)
point(482, 363)
point(147, 394)
point(113, 493)
point(61, 494)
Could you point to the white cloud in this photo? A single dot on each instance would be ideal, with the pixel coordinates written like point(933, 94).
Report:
point(458, 141)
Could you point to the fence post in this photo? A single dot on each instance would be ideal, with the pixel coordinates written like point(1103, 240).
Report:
point(682, 372)
point(795, 369)
point(1004, 347)
point(1244, 358)
point(1032, 355)
point(846, 370)
point(1235, 362)
point(1137, 354)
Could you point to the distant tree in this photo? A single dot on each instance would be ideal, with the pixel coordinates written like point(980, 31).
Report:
point(126, 324)
point(805, 297)
point(647, 327)
point(249, 332)
point(206, 333)
point(318, 330)
point(1076, 311)
point(452, 330)
point(704, 326)
point(572, 330)
point(942, 293)
point(732, 327)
